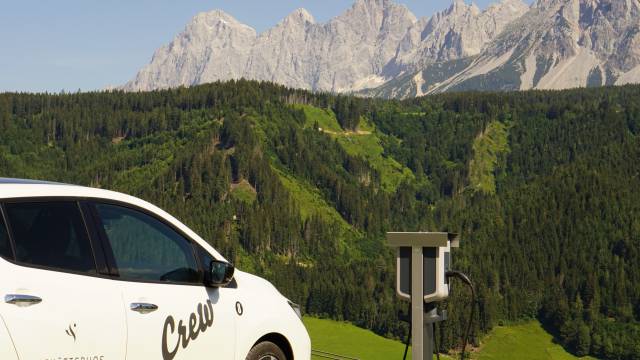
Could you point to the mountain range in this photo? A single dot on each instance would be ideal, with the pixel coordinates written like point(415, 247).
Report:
point(380, 48)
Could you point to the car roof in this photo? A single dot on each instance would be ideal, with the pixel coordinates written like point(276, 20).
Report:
point(25, 188)
point(27, 181)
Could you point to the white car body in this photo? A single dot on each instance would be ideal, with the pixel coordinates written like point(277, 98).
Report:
point(90, 317)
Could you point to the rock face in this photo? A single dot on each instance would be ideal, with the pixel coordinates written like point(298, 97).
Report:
point(340, 55)
point(346, 53)
point(458, 32)
point(557, 44)
point(213, 46)
point(561, 44)
point(379, 48)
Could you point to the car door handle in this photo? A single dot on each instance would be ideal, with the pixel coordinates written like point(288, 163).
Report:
point(143, 308)
point(22, 300)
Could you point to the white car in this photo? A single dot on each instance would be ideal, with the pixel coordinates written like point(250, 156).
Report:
point(89, 274)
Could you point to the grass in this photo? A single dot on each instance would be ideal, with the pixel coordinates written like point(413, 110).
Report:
point(309, 198)
point(324, 118)
point(311, 202)
point(527, 341)
point(243, 191)
point(365, 143)
point(487, 148)
point(392, 173)
point(346, 339)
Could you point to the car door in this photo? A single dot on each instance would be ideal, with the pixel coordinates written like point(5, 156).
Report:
point(54, 302)
point(170, 313)
point(7, 350)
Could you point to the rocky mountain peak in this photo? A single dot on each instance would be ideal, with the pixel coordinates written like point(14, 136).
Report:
point(508, 46)
point(374, 12)
point(300, 16)
point(460, 31)
point(505, 12)
point(518, 6)
point(372, 4)
point(196, 55)
point(460, 6)
point(211, 26)
point(559, 44)
point(214, 15)
point(214, 18)
point(455, 4)
point(345, 53)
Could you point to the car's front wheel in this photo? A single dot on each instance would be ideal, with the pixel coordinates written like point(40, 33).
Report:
point(266, 351)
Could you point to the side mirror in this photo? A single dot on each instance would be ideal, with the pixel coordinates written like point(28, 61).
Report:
point(220, 273)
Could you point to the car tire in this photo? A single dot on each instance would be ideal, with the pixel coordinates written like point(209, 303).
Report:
point(266, 351)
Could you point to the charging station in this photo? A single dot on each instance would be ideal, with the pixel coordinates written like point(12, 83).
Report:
point(422, 261)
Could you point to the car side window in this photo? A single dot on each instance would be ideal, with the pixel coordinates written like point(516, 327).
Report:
point(5, 245)
point(52, 235)
point(205, 258)
point(146, 249)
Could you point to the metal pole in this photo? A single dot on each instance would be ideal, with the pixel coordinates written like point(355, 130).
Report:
point(418, 350)
point(428, 333)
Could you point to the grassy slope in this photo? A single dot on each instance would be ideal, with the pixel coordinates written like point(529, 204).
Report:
point(365, 143)
point(527, 341)
point(308, 198)
point(345, 339)
point(244, 192)
point(311, 202)
point(487, 149)
point(368, 146)
point(325, 119)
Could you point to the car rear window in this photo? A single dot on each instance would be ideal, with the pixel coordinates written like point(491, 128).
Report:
point(51, 235)
point(5, 246)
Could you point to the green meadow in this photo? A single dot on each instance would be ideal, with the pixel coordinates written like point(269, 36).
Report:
point(366, 143)
point(345, 339)
point(527, 341)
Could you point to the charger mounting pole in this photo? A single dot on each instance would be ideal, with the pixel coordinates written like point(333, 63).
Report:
point(422, 261)
point(421, 337)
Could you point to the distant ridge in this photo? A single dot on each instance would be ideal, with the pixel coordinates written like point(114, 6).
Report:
point(379, 48)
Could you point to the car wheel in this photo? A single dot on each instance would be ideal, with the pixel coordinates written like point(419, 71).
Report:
point(266, 351)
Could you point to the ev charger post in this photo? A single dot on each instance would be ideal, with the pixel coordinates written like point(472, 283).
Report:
point(423, 259)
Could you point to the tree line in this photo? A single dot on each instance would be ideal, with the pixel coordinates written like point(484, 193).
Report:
point(558, 240)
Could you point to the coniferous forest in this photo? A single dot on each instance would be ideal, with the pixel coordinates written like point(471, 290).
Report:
point(543, 186)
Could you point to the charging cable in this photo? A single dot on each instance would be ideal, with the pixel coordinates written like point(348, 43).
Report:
point(465, 279)
point(406, 344)
point(435, 342)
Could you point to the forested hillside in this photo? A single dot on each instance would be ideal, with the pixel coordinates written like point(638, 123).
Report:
point(300, 188)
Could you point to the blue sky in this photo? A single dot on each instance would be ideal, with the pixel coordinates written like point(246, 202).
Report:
point(89, 44)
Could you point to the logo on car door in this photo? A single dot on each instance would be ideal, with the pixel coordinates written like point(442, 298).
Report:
point(198, 323)
point(70, 331)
